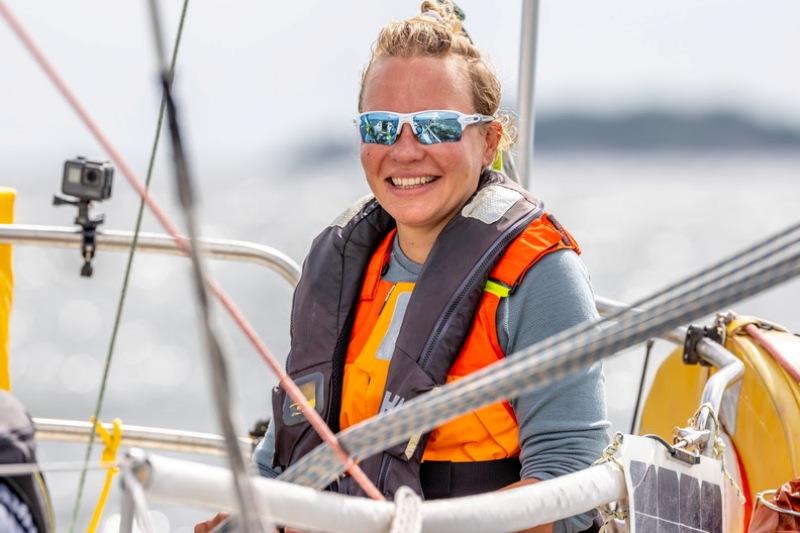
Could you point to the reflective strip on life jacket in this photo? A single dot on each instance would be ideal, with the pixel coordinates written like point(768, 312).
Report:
point(486, 434)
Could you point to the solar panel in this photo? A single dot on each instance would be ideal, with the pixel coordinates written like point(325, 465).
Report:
point(666, 495)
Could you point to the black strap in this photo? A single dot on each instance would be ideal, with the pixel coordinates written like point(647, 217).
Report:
point(445, 479)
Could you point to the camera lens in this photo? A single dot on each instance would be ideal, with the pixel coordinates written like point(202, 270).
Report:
point(92, 177)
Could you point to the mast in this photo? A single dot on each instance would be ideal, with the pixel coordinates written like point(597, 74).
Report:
point(525, 93)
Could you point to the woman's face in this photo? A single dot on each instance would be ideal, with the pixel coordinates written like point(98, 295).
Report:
point(400, 175)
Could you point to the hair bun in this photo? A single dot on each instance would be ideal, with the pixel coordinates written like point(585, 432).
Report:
point(443, 12)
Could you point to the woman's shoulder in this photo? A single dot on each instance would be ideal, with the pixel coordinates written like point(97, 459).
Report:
point(556, 275)
point(555, 294)
point(562, 268)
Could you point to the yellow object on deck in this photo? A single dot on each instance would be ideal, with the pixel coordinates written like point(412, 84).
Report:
point(6, 286)
point(108, 458)
point(766, 436)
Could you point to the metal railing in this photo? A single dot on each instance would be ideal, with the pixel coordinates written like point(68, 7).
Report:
point(140, 436)
point(730, 369)
point(159, 243)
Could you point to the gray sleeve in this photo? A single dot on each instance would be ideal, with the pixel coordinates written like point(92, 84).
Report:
point(264, 453)
point(563, 425)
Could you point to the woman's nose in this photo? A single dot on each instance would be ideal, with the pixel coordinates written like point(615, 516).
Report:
point(407, 147)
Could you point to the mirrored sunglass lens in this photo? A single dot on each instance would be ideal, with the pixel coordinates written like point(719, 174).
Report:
point(432, 128)
point(378, 128)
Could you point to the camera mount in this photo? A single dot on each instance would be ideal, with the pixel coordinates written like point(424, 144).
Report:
point(88, 225)
point(86, 180)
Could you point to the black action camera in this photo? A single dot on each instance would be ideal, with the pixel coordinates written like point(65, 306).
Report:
point(87, 179)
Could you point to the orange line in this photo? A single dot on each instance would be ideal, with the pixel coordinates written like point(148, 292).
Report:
point(776, 354)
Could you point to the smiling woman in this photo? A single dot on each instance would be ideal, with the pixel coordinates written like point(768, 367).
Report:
point(448, 268)
point(423, 185)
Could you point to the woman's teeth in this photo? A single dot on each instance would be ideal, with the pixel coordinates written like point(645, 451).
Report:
point(407, 183)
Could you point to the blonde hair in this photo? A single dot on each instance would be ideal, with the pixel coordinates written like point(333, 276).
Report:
point(437, 32)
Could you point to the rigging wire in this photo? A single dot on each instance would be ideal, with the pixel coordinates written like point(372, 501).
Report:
point(217, 358)
point(373, 430)
point(648, 349)
point(126, 277)
point(292, 390)
point(551, 359)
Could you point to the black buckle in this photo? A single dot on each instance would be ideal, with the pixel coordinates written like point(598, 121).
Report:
point(694, 335)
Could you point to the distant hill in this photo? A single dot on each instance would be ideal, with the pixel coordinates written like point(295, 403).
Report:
point(643, 131)
point(655, 130)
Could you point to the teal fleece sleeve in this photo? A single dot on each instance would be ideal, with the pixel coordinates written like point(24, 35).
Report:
point(563, 425)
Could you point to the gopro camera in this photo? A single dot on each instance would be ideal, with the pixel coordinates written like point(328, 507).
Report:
point(87, 179)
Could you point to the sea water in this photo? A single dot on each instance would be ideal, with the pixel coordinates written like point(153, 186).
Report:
point(643, 222)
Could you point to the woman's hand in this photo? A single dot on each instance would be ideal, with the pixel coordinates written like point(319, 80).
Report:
point(208, 525)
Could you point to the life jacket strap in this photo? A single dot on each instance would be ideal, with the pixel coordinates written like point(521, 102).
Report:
point(447, 479)
point(499, 289)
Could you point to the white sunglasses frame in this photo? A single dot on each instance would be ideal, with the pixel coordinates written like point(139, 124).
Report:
point(407, 118)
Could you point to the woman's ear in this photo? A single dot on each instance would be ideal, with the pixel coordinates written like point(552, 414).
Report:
point(494, 130)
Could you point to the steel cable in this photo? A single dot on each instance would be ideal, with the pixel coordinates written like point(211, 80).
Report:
point(251, 521)
point(126, 277)
point(552, 359)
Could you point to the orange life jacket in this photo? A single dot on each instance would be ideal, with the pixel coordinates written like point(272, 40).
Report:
point(488, 433)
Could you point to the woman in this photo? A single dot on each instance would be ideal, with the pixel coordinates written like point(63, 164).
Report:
point(447, 269)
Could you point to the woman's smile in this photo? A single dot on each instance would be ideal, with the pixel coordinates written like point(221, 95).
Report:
point(416, 182)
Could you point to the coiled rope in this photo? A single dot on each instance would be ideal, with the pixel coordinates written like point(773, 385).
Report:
point(745, 274)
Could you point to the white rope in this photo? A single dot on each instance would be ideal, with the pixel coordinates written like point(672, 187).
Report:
point(612, 512)
point(407, 512)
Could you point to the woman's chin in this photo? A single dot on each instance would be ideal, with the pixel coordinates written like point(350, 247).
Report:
point(418, 220)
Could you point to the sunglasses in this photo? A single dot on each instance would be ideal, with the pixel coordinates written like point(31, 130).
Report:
point(429, 127)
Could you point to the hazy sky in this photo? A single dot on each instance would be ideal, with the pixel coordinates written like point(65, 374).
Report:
point(253, 74)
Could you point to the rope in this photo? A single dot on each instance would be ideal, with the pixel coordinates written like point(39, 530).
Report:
point(574, 349)
point(610, 451)
point(286, 382)
point(108, 459)
point(611, 511)
point(407, 512)
point(126, 278)
point(248, 507)
point(610, 516)
point(773, 350)
point(640, 391)
point(553, 358)
point(718, 445)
